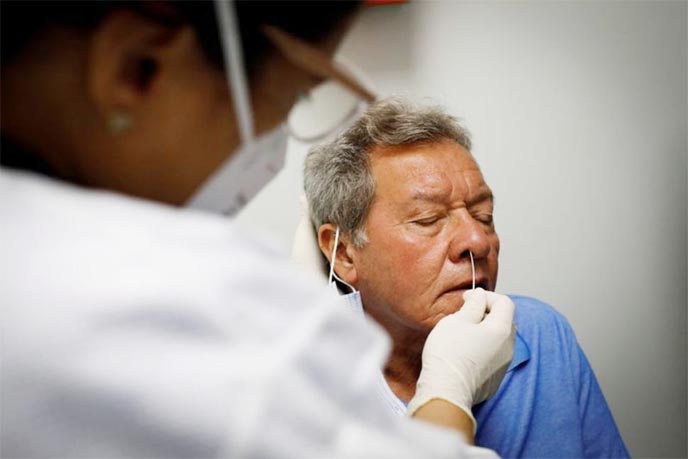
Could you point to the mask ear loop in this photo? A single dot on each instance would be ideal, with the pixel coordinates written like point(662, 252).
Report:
point(234, 67)
point(334, 254)
point(333, 275)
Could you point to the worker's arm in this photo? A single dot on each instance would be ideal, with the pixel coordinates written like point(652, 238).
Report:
point(244, 359)
point(443, 413)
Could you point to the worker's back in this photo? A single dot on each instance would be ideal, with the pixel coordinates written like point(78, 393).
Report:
point(132, 329)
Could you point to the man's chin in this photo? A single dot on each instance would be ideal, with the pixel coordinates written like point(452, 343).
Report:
point(448, 303)
point(453, 299)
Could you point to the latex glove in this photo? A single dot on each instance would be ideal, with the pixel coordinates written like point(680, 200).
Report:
point(467, 354)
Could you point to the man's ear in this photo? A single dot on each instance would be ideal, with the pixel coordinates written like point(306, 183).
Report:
point(344, 266)
point(127, 54)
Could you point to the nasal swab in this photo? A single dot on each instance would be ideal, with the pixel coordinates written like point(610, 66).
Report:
point(472, 268)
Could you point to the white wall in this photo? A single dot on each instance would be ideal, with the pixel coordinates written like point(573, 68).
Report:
point(578, 112)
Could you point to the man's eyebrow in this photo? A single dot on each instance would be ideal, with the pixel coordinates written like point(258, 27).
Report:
point(484, 195)
point(428, 195)
point(437, 196)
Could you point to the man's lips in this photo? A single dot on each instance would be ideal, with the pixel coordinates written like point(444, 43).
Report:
point(481, 282)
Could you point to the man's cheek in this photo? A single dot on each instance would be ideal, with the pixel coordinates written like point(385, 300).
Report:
point(493, 260)
point(495, 270)
point(496, 245)
point(404, 256)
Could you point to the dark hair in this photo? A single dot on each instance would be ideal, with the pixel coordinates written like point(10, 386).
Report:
point(311, 20)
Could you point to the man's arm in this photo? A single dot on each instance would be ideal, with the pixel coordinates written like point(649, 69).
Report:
point(601, 437)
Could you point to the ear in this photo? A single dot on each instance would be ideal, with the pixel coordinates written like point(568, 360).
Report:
point(127, 54)
point(344, 266)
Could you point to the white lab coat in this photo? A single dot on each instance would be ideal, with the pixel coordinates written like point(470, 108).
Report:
point(132, 329)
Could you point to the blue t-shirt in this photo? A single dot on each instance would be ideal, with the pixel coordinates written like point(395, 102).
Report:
point(549, 403)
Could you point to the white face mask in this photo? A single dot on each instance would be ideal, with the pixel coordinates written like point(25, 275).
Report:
point(257, 160)
point(243, 174)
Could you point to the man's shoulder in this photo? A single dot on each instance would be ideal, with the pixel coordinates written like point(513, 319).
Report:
point(536, 319)
point(533, 308)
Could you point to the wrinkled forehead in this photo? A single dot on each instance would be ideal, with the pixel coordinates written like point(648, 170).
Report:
point(429, 171)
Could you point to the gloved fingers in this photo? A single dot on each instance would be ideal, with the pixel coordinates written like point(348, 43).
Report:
point(501, 309)
point(474, 304)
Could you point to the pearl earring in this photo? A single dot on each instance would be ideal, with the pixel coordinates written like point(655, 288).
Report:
point(119, 122)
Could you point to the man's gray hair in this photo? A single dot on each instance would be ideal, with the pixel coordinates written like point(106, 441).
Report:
point(337, 179)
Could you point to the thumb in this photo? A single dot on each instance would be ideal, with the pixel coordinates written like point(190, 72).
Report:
point(501, 309)
point(473, 309)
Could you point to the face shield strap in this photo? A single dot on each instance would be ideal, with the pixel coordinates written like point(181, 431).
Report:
point(234, 67)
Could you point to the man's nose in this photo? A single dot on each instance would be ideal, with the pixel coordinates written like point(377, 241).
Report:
point(468, 234)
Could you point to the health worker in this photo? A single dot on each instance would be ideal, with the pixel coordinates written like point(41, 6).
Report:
point(135, 323)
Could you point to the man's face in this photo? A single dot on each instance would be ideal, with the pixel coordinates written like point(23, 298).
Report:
point(431, 207)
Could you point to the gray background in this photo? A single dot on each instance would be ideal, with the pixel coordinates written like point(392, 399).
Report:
point(578, 114)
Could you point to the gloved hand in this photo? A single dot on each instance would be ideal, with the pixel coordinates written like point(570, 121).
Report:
point(467, 354)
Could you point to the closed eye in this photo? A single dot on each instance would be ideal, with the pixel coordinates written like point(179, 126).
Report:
point(426, 221)
point(486, 219)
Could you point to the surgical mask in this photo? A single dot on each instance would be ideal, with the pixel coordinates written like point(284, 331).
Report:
point(243, 174)
point(258, 159)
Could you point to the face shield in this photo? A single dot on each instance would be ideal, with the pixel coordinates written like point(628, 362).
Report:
point(258, 159)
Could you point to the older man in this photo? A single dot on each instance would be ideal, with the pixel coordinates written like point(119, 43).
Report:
point(413, 209)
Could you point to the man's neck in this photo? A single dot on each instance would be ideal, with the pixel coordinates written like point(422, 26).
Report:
point(404, 365)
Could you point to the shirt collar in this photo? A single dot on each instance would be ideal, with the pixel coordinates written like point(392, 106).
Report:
point(521, 352)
